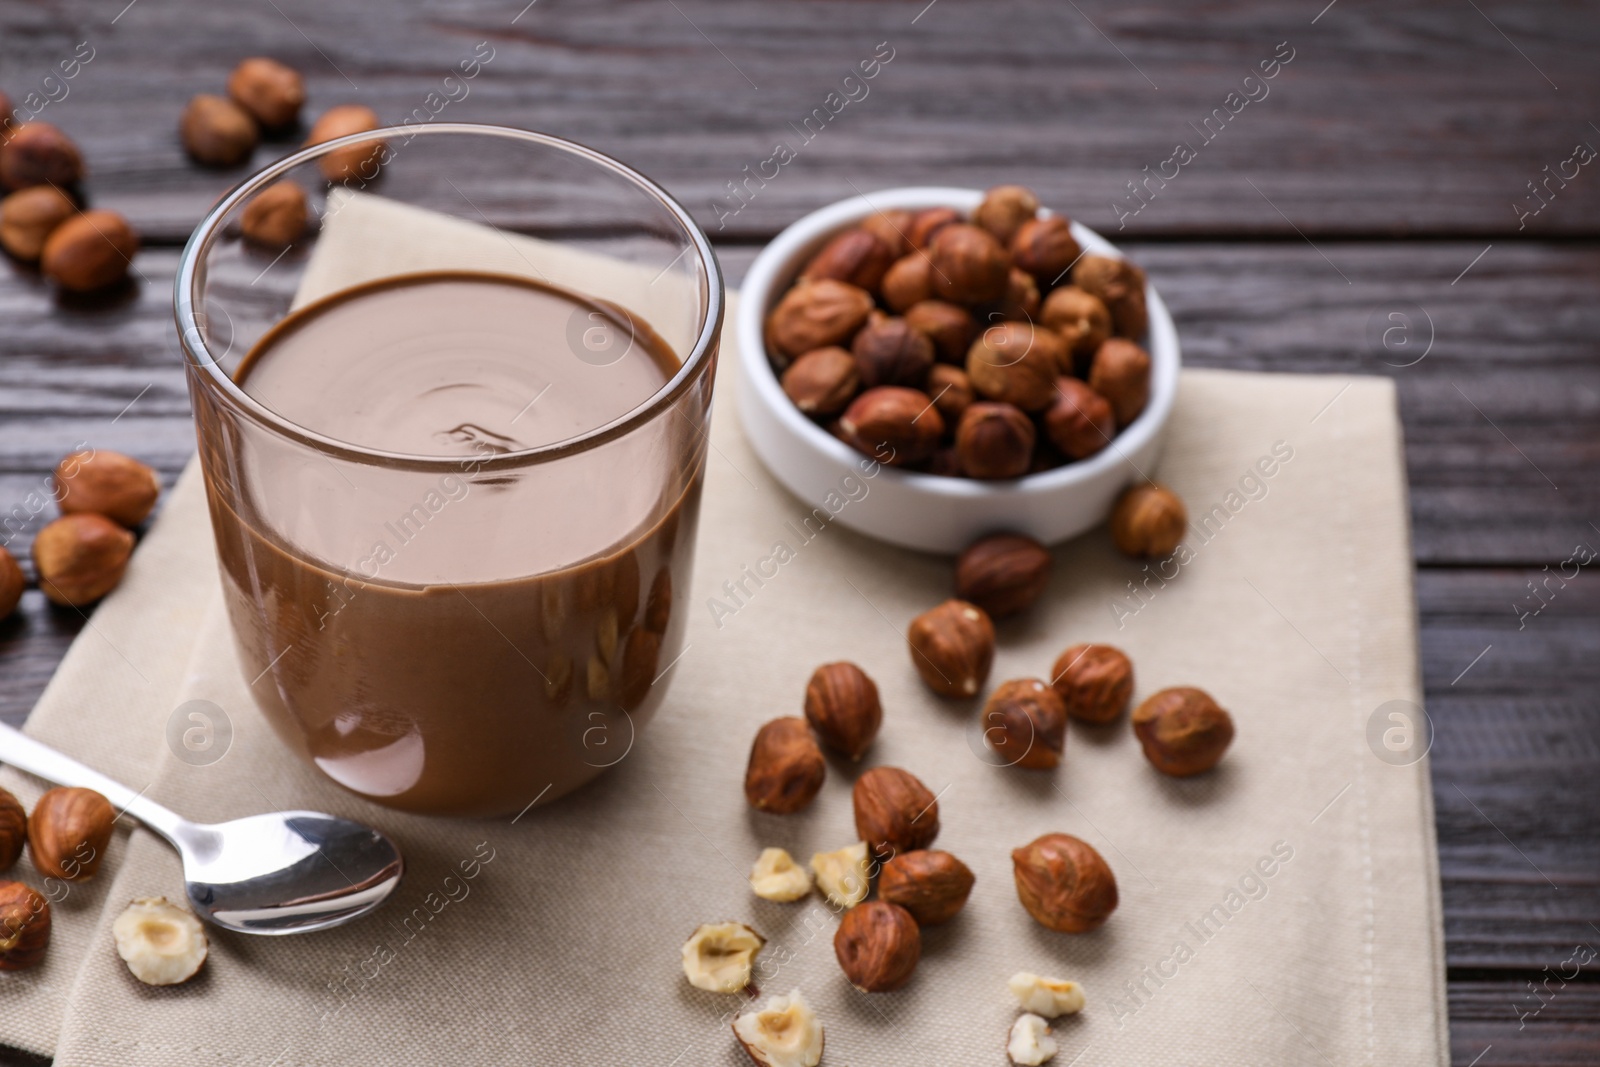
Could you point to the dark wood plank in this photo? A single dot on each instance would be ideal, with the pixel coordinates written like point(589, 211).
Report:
point(1429, 117)
point(1506, 1024)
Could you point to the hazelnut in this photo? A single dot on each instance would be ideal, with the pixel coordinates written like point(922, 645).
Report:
point(908, 281)
point(949, 327)
point(1045, 248)
point(994, 441)
point(1081, 319)
point(926, 224)
point(1003, 573)
point(1022, 297)
point(855, 256)
point(276, 216)
point(842, 707)
point(878, 946)
point(776, 876)
point(1030, 1042)
point(1016, 362)
point(844, 875)
point(1120, 286)
point(823, 381)
point(24, 927)
point(1050, 997)
point(1148, 521)
point(1121, 373)
point(816, 315)
point(270, 91)
point(13, 829)
point(1025, 723)
point(1079, 420)
point(36, 153)
point(68, 833)
point(895, 812)
point(892, 227)
point(786, 767)
point(114, 485)
point(1064, 884)
point(5, 112)
point(933, 886)
point(1183, 731)
point(217, 132)
point(89, 251)
point(12, 583)
point(718, 957)
point(953, 648)
point(944, 463)
point(1004, 209)
point(897, 426)
point(357, 161)
point(29, 216)
point(889, 352)
point(784, 1033)
point(969, 266)
point(161, 942)
point(80, 558)
point(951, 390)
point(1094, 682)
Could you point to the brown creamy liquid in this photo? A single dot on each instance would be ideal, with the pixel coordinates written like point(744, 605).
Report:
point(471, 641)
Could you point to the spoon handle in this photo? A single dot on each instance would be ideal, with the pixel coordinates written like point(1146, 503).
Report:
point(24, 753)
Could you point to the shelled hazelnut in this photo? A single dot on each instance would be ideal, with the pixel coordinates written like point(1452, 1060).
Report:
point(1064, 883)
point(951, 390)
point(80, 558)
point(842, 706)
point(1031, 1041)
point(823, 381)
point(1025, 723)
point(276, 217)
point(68, 833)
point(856, 256)
point(932, 885)
point(816, 315)
point(994, 441)
point(896, 425)
point(894, 811)
point(1003, 574)
point(1045, 248)
point(969, 266)
point(161, 942)
point(889, 352)
point(12, 583)
point(37, 153)
point(1094, 682)
point(950, 327)
point(1121, 373)
point(1120, 286)
point(29, 216)
point(776, 876)
point(1183, 731)
point(952, 647)
point(357, 161)
point(878, 946)
point(1079, 420)
point(13, 829)
point(786, 767)
point(1148, 521)
point(783, 1033)
point(218, 132)
point(108, 483)
point(270, 91)
point(89, 251)
point(1005, 209)
point(1016, 362)
point(892, 227)
point(844, 875)
point(718, 957)
point(24, 926)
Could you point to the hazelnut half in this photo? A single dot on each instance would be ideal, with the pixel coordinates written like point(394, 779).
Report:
point(842, 706)
point(271, 92)
point(1030, 1042)
point(80, 558)
point(357, 161)
point(786, 767)
point(161, 942)
point(12, 583)
point(68, 833)
point(24, 926)
point(889, 352)
point(1079, 420)
point(823, 381)
point(1017, 363)
point(776, 876)
point(36, 153)
point(815, 315)
point(217, 132)
point(1004, 209)
point(1045, 248)
point(718, 957)
point(13, 829)
point(117, 486)
point(895, 425)
point(855, 256)
point(951, 391)
point(1025, 723)
point(784, 1033)
point(950, 327)
point(1120, 286)
point(932, 885)
point(994, 440)
point(908, 282)
point(969, 266)
point(1121, 373)
point(1094, 682)
point(1050, 997)
point(29, 216)
point(952, 647)
point(895, 812)
point(1003, 573)
point(1081, 319)
point(1183, 731)
point(1064, 883)
point(276, 217)
point(844, 875)
point(89, 251)
point(878, 946)
point(1148, 521)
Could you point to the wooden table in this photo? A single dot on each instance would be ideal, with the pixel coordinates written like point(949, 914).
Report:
point(1386, 171)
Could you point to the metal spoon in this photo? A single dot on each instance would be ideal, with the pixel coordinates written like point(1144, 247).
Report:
point(284, 873)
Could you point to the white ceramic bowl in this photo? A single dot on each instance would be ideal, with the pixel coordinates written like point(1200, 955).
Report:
point(926, 511)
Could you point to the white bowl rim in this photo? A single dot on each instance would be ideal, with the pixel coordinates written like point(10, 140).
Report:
point(780, 253)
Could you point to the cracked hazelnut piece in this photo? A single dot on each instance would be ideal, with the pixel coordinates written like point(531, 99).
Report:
point(1079, 420)
point(969, 266)
point(80, 558)
point(856, 256)
point(842, 706)
point(784, 1033)
point(776, 876)
point(952, 647)
point(719, 956)
point(24, 926)
point(1003, 573)
point(1094, 682)
point(932, 885)
point(815, 315)
point(1017, 363)
point(878, 946)
point(116, 486)
point(786, 767)
point(1004, 209)
point(1183, 731)
point(1120, 286)
point(1049, 997)
point(894, 811)
point(1030, 1042)
point(1148, 521)
point(1064, 883)
point(844, 875)
point(1025, 723)
point(1121, 373)
point(161, 943)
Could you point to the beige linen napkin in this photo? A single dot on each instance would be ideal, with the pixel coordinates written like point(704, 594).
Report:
point(1282, 910)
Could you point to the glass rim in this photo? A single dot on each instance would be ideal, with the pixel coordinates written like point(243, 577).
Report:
point(197, 353)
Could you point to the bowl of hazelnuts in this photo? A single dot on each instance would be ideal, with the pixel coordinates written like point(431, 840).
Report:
point(929, 365)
